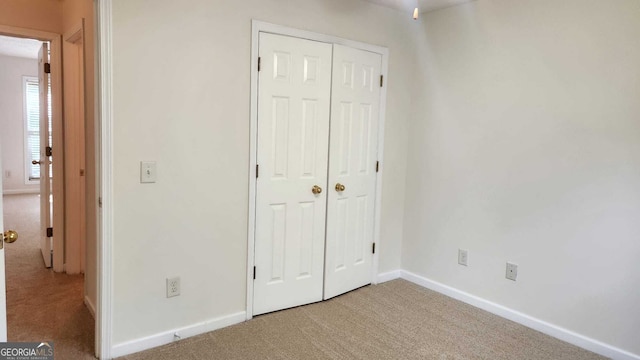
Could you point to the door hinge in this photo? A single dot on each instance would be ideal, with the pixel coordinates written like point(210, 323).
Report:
point(49, 151)
point(47, 68)
point(100, 201)
point(50, 232)
point(257, 170)
point(381, 80)
point(373, 250)
point(254, 273)
point(377, 166)
point(259, 63)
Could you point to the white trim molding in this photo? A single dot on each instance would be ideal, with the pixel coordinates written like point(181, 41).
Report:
point(104, 320)
point(388, 276)
point(170, 336)
point(90, 306)
point(256, 28)
point(544, 327)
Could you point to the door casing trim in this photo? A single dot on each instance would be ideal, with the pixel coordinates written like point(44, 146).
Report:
point(104, 175)
point(256, 28)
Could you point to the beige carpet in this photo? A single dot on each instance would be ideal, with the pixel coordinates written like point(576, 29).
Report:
point(42, 305)
point(394, 320)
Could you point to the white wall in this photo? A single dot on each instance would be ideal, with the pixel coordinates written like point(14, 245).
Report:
point(12, 69)
point(528, 150)
point(181, 98)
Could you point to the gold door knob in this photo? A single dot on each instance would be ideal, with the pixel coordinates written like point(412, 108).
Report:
point(316, 189)
point(10, 236)
point(35, 162)
point(340, 187)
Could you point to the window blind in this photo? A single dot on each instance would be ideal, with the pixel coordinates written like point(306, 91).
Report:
point(32, 133)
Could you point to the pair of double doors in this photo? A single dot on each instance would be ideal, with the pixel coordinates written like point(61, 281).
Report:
point(318, 111)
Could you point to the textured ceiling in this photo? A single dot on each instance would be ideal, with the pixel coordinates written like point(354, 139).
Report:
point(423, 5)
point(25, 48)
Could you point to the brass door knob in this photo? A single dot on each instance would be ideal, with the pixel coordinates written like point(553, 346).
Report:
point(340, 187)
point(10, 236)
point(35, 162)
point(316, 189)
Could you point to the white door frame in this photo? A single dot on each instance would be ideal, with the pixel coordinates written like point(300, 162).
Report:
point(256, 28)
point(56, 118)
point(104, 175)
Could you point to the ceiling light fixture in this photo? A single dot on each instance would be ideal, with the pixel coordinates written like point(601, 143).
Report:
point(415, 14)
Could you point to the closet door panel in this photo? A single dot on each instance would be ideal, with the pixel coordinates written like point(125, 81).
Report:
point(355, 107)
point(293, 134)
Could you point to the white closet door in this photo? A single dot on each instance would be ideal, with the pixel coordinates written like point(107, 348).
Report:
point(293, 130)
point(355, 107)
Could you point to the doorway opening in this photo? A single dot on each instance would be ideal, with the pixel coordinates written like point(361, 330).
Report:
point(44, 280)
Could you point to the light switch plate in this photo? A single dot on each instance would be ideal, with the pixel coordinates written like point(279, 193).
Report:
point(148, 172)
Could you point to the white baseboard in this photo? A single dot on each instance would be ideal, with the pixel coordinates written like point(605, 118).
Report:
point(90, 306)
point(388, 276)
point(563, 334)
point(167, 337)
point(21, 191)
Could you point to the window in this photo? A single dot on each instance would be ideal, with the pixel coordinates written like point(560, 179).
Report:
point(32, 127)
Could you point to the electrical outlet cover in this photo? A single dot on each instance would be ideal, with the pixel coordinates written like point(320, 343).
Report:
point(512, 271)
point(463, 257)
point(173, 287)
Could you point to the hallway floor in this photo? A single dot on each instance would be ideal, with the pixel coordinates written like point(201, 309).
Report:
point(42, 305)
